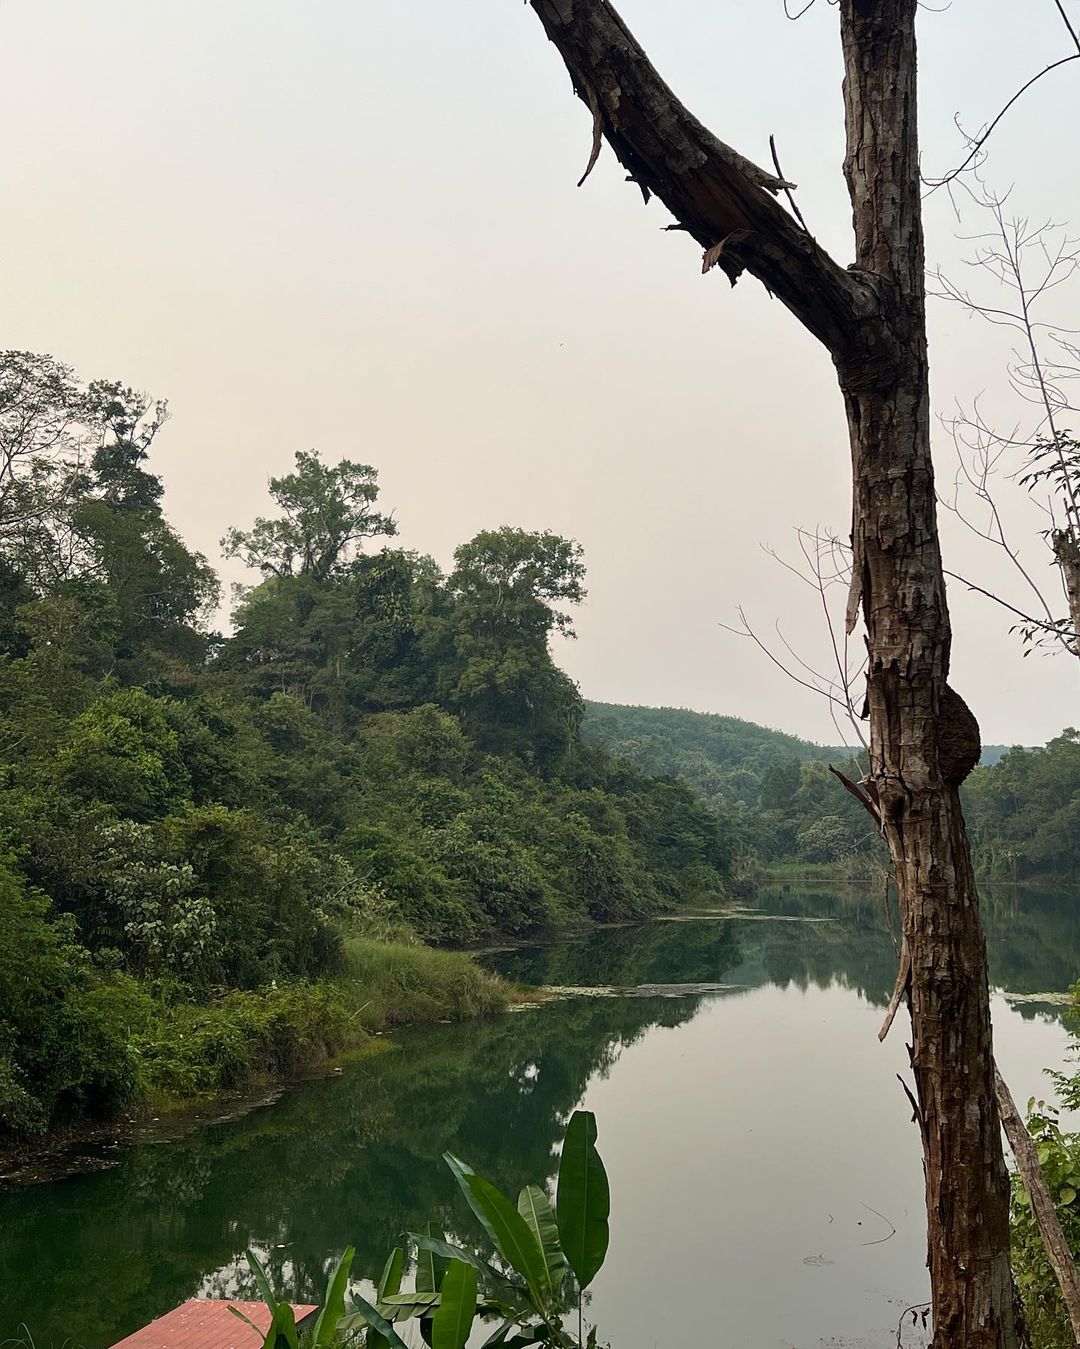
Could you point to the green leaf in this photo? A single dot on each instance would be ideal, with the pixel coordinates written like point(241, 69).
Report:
point(266, 1292)
point(498, 1335)
point(584, 1200)
point(457, 1310)
point(246, 1320)
point(404, 1306)
point(389, 1285)
point(430, 1265)
point(366, 1315)
point(1067, 1194)
point(496, 1282)
point(333, 1307)
point(510, 1336)
point(282, 1332)
point(390, 1280)
point(534, 1208)
point(503, 1224)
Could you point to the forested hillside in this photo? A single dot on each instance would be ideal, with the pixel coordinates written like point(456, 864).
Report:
point(209, 841)
point(718, 754)
point(377, 745)
point(1024, 804)
point(778, 788)
point(1024, 812)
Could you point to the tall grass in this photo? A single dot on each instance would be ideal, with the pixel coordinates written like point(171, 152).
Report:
point(399, 984)
point(187, 1051)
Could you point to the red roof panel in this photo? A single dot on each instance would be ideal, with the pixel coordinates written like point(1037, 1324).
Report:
point(205, 1323)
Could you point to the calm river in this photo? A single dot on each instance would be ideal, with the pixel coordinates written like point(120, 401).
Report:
point(759, 1146)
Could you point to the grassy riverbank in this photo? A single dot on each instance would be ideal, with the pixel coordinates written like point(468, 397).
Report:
point(188, 1051)
point(149, 1046)
point(860, 870)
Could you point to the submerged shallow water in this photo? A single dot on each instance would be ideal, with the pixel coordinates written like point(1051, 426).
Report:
point(766, 1178)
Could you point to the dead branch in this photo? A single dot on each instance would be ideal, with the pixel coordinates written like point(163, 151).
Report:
point(1042, 1205)
point(903, 977)
point(716, 194)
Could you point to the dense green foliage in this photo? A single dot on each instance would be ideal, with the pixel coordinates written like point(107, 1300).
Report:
point(497, 1091)
point(1024, 812)
point(192, 821)
point(1059, 1157)
point(1022, 805)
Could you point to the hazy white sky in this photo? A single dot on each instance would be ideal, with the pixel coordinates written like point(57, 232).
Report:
point(353, 226)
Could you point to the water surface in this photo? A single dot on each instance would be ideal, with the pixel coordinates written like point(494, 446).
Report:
point(760, 1149)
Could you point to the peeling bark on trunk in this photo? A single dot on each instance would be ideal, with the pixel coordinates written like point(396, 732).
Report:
point(924, 740)
point(1067, 555)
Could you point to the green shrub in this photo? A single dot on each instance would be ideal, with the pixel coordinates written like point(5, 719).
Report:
point(1059, 1156)
point(193, 1050)
point(549, 1255)
point(62, 1053)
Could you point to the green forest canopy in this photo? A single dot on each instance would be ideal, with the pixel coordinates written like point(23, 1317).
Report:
point(186, 814)
point(1023, 804)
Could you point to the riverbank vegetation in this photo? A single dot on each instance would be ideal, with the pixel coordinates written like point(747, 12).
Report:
point(791, 815)
point(84, 1042)
point(212, 847)
point(1024, 812)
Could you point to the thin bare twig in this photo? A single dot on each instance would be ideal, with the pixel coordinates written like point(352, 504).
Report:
point(915, 1311)
point(978, 142)
point(826, 567)
point(1027, 261)
point(870, 1208)
point(788, 192)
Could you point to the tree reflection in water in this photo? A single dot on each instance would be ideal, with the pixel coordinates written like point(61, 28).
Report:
point(356, 1158)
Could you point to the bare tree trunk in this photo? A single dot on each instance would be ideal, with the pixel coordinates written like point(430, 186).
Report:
point(923, 738)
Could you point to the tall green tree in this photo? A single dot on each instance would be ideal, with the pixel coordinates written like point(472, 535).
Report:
point(509, 588)
point(48, 431)
point(325, 514)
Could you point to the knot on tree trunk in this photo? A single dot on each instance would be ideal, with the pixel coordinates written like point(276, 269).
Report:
point(873, 351)
point(959, 741)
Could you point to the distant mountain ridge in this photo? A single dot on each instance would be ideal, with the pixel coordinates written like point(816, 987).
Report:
point(726, 740)
point(675, 739)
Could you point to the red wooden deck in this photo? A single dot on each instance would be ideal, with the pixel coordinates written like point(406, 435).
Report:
point(206, 1323)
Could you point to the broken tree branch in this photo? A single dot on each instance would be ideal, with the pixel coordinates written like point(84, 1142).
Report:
point(1042, 1205)
point(903, 975)
point(713, 192)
